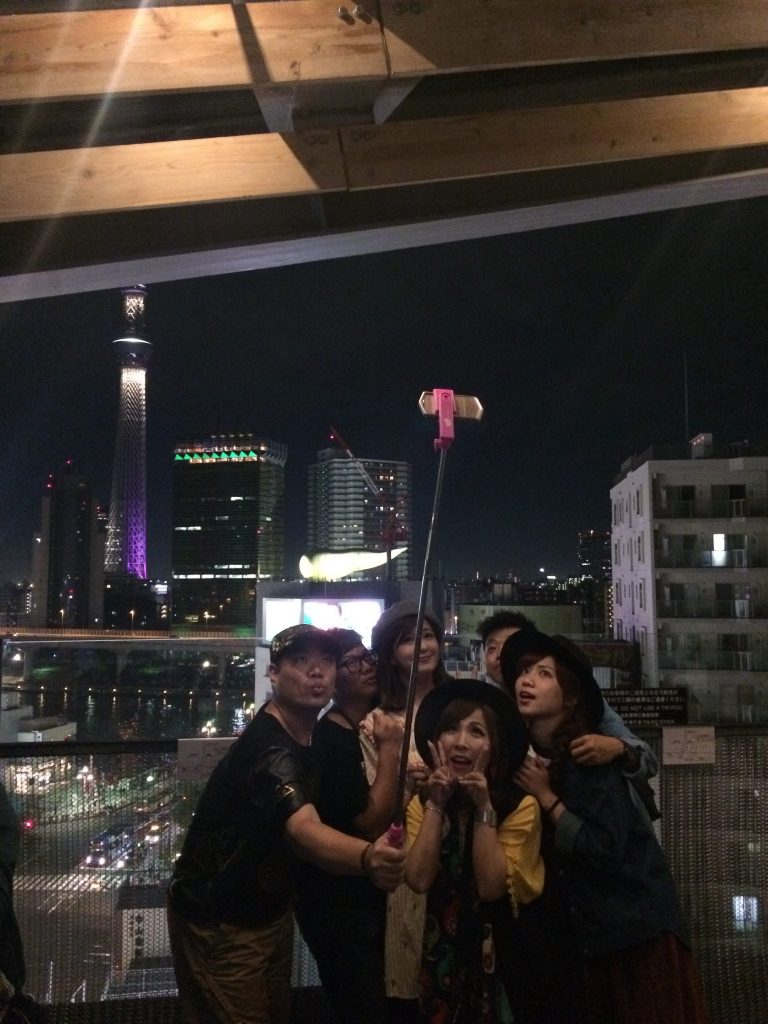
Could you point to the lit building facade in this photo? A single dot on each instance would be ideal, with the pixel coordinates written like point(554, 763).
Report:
point(594, 554)
point(126, 553)
point(228, 527)
point(361, 505)
point(68, 555)
point(690, 574)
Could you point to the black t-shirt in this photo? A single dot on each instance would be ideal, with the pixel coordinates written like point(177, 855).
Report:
point(341, 795)
point(235, 866)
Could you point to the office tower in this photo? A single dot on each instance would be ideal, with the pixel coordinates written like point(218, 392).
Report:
point(126, 554)
point(228, 527)
point(594, 588)
point(690, 573)
point(15, 603)
point(361, 505)
point(594, 553)
point(68, 555)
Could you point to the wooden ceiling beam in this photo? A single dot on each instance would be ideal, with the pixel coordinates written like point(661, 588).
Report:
point(444, 149)
point(214, 170)
point(440, 36)
point(82, 54)
point(164, 174)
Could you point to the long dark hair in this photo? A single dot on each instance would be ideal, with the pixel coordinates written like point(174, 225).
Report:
point(392, 688)
point(575, 722)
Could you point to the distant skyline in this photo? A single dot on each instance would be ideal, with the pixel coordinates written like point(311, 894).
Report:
point(573, 338)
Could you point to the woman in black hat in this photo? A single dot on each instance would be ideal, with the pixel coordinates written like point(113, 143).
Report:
point(612, 878)
point(473, 845)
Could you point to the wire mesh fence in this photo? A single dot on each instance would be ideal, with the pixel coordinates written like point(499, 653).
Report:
point(101, 826)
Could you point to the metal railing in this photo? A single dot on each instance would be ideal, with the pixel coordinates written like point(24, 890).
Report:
point(95, 932)
point(681, 559)
point(705, 508)
point(707, 608)
point(724, 661)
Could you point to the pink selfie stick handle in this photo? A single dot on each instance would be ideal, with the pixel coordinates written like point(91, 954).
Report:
point(443, 399)
point(395, 836)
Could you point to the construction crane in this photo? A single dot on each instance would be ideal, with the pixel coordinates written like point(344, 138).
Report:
point(372, 487)
point(393, 532)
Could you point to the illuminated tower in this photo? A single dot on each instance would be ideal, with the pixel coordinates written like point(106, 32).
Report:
point(126, 553)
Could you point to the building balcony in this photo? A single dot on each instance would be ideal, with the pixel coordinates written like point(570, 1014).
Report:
point(736, 559)
point(702, 608)
point(703, 508)
point(714, 661)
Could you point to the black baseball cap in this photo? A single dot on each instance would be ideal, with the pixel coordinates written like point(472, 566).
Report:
point(298, 638)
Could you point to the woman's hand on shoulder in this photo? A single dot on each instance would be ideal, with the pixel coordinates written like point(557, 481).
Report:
point(533, 777)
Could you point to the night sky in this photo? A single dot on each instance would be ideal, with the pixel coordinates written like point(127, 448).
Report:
point(572, 338)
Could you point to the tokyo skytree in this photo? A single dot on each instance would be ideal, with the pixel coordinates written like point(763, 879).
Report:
point(126, 552)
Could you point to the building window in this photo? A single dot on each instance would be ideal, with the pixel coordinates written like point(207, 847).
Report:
point(745, 913)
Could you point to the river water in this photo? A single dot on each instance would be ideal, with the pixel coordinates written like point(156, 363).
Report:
point(130, 715)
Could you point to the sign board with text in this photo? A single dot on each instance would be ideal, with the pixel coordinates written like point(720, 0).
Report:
point(199, 756)
point(655, 707)
point(695, 745)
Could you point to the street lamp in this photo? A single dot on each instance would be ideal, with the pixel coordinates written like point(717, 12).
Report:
point(206, 616)
point(208, 729)
point(132, 612)
point(61, 613)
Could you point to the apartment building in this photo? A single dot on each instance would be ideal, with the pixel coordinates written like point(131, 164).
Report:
point(689, 554)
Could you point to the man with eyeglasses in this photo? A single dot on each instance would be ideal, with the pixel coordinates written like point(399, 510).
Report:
point(350, 953)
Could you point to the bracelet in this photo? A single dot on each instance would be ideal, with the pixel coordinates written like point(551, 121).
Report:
point(432, 807)
point(363, 855)
point(552, 806)
point(486, 818)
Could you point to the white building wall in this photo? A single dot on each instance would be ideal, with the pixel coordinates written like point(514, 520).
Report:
point(690, 573)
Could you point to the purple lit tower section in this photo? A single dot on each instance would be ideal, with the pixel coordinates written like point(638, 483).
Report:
point(127, 528)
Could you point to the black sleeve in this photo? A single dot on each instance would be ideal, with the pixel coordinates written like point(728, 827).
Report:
point(278, 785)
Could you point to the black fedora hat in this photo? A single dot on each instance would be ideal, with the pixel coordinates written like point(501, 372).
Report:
point(530, 641)
point(437, 700)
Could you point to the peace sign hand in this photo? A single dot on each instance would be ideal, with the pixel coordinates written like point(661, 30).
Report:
point(475, 782)
point(440, 784)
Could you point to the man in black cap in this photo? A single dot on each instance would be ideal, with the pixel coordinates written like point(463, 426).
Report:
point(230, 900)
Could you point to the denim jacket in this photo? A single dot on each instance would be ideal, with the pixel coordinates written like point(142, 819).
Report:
point(612, 874)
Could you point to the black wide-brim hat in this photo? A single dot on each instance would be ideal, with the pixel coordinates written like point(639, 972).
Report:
point(530, 641)
point(513, 730)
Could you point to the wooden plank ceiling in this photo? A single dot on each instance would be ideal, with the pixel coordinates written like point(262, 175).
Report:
point(164, 141)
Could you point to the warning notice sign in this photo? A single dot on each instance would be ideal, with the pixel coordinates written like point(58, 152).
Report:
point(649, 708)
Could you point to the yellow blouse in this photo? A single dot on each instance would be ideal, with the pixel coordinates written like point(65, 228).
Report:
point(519, 835)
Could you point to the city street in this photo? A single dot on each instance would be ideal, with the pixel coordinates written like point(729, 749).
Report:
point(66, 912)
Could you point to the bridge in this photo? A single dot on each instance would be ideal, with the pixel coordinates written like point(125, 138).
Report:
point(21, 645)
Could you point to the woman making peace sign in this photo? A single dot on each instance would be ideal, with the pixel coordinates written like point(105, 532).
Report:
point(473, 844)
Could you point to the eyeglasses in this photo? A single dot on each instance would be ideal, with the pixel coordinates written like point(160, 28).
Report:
point(356, 663)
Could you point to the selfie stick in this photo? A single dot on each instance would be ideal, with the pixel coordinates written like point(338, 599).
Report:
point(444, 404)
